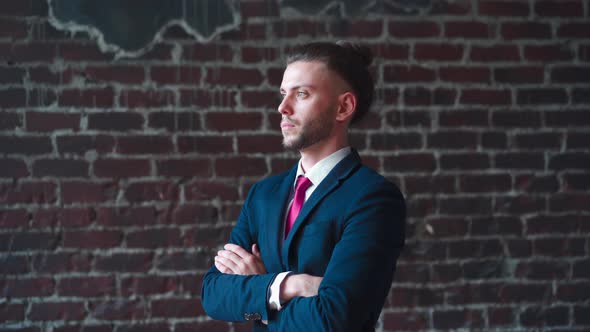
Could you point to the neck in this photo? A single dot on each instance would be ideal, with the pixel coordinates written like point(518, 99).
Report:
point(313, 154)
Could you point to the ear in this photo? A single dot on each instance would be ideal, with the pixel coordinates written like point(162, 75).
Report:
point(346, 106)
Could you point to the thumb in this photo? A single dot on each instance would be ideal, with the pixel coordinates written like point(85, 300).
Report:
point(255, 250)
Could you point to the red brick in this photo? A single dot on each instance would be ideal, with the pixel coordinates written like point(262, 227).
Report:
point(13, 28)
point(547, 53)
point(10, 120)
point(527, 119)
point(397, 73)
point(82, 51)
point(123, 262)
point(43, 121)
point(175, 121)
point(88, 192)
point(494, 140)
point(64, 217)
point(13, 168)
point(151, 191)
point(119, 309)
point(434, 184)
point(539, 141)
point(536, 183)
point(245, 30)
point(452, 140)
point(12, 312)
point(124, 216)
point(260, 99)
point(356, 28)
point(87, 286)
point(175, 74)
point(11, 75)
point(115, 121)
point(411, 29)
point(465, 206)
point(198, 52)
point(145, 144)
point(14, 218)
point(298, 28)
point(468, 29)
point(529, 30)
point(210, 237)
point(92, 239)
point(567, 118)
point(387, 51)
point(184, 167)
point(117, 168)
point(570, 74)
point(439, 52)
point(504, 8)
point(542, 96)
point(28, 192)
point(485, 183)
point(33, 51)
point(495, 53)
point(469, 118)
point(50, 311)
point(184, 261)
point(577, 181)
point(170, 308)
point(29, 287)
point(574, 30)
point(240, 166)
point(520, 204)
point(232, 121)
point(485, 97)
point(149, 285)
point(464, 161)
point(410, 162)
point(500, 316)
point(205, 144)
point(228, 76)
point(396, 142)
point(560, 8)
point(416, 297)
point(147, 98)
point(578, 141)
point(569, 202)
point(51, 76)
point(259, 9)
point(465, 74)
point(519, 75)
point(127, 74)
point(208, 98)
point(188, 213)
point(60, 168)
point(82, 144)
point(523, 160)
point(38, 97)
point(581, 96)
point(97, 97)
point(449, 7)
point(497, 225)
point(252, 54)
point(209, 190)
point(13, 98)
point(154, 238)
point(260, 144)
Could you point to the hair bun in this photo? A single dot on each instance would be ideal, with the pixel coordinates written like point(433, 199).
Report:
point(363, 52)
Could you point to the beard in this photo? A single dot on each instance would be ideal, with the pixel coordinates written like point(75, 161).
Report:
point(310, 132)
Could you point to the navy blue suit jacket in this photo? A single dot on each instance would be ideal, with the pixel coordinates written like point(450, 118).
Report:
point(350, 231)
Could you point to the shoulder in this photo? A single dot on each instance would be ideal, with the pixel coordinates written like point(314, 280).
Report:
point(366, 179)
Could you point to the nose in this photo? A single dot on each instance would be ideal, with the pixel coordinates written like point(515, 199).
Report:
point(285, 107)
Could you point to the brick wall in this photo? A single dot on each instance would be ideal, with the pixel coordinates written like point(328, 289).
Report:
point(120, 177)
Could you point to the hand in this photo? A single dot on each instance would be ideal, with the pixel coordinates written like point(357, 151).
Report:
point(235, 260)
point(299, 285)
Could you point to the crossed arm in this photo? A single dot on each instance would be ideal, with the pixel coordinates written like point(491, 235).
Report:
point(234, 259)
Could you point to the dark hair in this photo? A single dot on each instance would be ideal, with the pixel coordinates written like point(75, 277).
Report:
point(349, 60)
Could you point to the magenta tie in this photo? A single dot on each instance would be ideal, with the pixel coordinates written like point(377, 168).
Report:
point(302, 184)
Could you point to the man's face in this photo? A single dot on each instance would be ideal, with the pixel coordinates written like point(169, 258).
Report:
point(309, 104)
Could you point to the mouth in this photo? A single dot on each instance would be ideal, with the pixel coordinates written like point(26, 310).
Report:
point(285, 125)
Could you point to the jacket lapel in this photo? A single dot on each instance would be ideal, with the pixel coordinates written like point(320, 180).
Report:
point(340, 172)
point(273, 222)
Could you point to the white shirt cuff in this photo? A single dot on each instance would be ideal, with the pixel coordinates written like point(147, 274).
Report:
point(274, 301)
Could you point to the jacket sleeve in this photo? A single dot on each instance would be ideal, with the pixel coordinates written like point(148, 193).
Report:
point(232, 297)
point(360, 270)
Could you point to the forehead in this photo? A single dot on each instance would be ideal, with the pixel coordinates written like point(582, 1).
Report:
point(306, 73)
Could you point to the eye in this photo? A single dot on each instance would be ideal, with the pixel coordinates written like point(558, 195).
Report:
point(302, 94)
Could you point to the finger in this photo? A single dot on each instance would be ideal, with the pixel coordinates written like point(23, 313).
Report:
point(230, 256)
point(237, 250)
point(227, 263)
point(222, 268)
point(255, 250)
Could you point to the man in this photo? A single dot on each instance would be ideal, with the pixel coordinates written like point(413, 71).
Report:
point(315, 248)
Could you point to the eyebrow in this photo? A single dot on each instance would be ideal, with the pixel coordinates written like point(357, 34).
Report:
point(309, 86)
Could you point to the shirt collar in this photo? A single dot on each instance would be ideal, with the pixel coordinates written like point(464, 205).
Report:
point(321, 169)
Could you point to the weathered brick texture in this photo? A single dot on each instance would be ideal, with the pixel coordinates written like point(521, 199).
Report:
point(120, 178)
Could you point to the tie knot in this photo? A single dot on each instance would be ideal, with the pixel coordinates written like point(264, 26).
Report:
point(302, 183)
